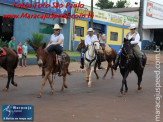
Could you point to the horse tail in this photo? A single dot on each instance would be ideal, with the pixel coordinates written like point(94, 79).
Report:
point(16, 61)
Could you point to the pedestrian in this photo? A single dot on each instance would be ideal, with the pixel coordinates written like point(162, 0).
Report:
point(19, 51)
point(25, 52)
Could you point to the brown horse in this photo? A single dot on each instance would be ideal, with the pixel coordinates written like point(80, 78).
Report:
point(48, 62)
point(109, 58)
point(9, 63)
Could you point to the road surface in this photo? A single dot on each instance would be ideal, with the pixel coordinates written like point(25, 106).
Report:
point(78, 103)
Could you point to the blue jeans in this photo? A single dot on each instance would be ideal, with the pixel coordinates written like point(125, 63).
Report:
point(83, 51)
point(58, 49)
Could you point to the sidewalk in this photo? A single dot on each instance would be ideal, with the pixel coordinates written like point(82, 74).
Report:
point(34, 70)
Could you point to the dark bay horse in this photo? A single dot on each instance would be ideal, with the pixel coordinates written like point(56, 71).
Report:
point(109, 58)
point(9, 63)
point(48, 62)
point(128, 63)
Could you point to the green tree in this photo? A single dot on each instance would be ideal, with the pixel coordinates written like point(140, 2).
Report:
point(37, 39)
point(121, 4)
point(104, 4)
point(3, 43)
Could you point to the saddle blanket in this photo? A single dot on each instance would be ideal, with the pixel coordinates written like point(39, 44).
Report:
point(3, 53)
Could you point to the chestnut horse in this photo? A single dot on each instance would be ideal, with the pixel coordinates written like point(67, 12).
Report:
point(109, 58)
point(47, 61)
point(9, 63)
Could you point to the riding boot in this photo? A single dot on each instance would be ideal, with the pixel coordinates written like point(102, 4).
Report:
point(141, 63)
point(82, 61)
point(60, 65)
point(99, 60)
point(116, 63)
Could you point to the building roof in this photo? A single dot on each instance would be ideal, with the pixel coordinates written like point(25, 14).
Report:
point(119, 10)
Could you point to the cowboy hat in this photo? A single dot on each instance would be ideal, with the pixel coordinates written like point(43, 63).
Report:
point(132, 26)
point(90, 29)
point(56, 26)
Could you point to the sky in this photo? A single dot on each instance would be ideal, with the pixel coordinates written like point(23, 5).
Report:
point(88, 2)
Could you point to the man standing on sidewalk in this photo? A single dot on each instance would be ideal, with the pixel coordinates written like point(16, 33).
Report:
point(11, 44)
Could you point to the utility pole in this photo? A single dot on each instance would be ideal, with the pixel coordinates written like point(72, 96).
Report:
point(140, 29)
point(91, 13)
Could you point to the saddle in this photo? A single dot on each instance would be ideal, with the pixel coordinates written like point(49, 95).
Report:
point(2, 52)
point(107, 50)
point(62, 59)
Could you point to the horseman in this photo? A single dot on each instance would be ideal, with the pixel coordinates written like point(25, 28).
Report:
point(56, 43)
point(134, 36)
point(88, 41)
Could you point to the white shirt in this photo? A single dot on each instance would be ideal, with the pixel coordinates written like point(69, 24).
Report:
point(89, 40)
point(55, 38)
point(137, 39)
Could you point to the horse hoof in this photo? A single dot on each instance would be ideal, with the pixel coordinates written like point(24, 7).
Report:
point(15, 84)
point(97, 77)
point(89, 85)
point(140, 88)
point(87, 81)
point(51, 92)
point(5, 89)
point(120, 94)
point(103, 78)
point(39, 96)
point(65, 86)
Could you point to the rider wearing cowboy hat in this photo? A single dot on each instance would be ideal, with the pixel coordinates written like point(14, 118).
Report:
point(56, 42)
point(88, 41)
point(135, 39)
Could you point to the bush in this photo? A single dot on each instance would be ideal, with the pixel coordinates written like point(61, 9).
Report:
point(37, 39)
point(3, 43)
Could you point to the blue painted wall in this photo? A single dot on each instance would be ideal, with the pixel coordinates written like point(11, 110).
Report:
point(23, 28)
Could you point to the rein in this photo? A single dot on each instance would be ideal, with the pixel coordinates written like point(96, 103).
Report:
point(90, 61)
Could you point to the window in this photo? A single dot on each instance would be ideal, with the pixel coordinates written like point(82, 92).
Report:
point(114, 36)
point(6, 28)
point(46, 29)
point(79, 31)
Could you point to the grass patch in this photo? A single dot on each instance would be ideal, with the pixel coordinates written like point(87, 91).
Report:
point(32, 54)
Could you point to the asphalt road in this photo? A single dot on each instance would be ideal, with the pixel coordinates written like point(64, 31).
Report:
point(78, 103)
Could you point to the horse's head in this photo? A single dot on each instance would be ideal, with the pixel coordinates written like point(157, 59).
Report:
point(96, 45)
point(40, 53)
point(81, 45)
point(127, 50)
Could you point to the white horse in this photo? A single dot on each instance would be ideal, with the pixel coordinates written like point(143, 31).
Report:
point(90, 60)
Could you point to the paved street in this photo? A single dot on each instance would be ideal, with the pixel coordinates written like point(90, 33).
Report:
point(78, 103)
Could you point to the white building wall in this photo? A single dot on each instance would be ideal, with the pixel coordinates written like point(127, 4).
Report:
point(150, 22)
point(131, 14)
point(146, 35)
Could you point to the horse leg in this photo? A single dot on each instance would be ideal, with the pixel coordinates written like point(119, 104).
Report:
point(107, 70)
point(95, 71)
point(12, 79)
point(51, 85)
point(43, 82)
point(139, 74)
point(8, 82)
point(112, 72)
point(87, 74)
point(90, 78)
point(126, 87)
point(124, 74)
point(64, 83)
